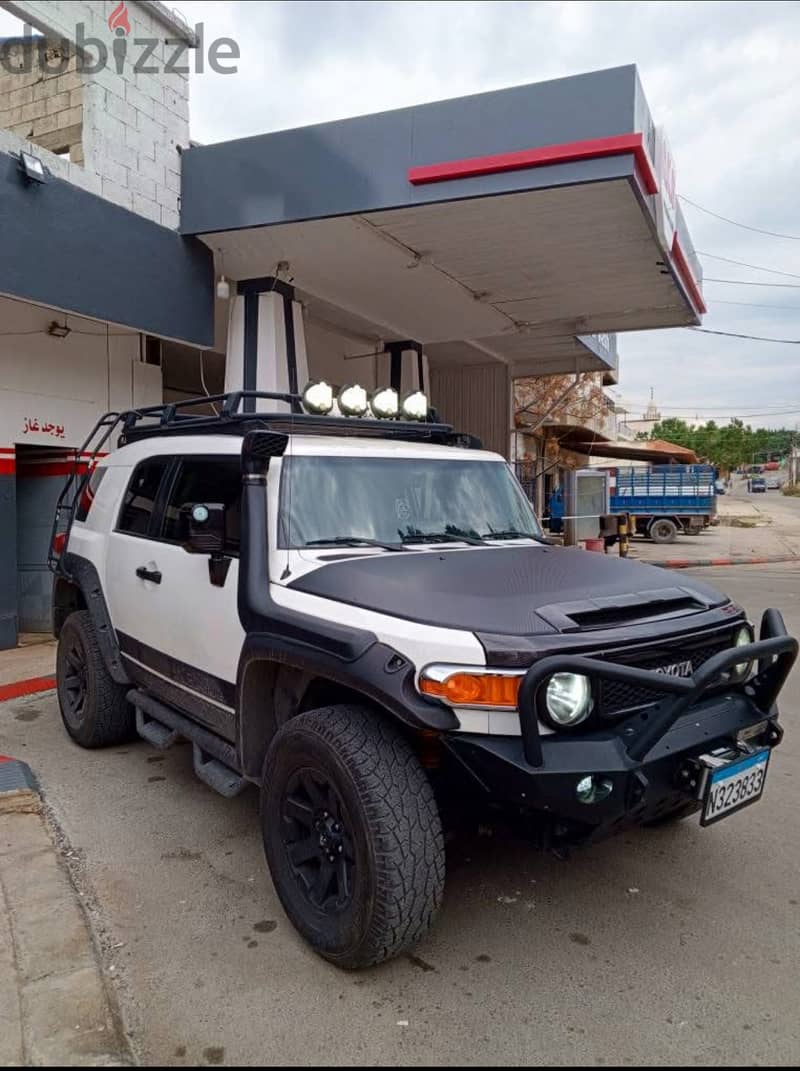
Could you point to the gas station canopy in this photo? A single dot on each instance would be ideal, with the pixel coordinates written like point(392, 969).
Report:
point(521, 226)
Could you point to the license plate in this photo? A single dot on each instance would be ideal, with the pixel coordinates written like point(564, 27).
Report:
point(734, 786)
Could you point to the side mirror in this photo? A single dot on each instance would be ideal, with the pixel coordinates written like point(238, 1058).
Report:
point(204, 528)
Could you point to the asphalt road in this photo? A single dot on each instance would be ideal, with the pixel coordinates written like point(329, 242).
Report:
point(677, 946)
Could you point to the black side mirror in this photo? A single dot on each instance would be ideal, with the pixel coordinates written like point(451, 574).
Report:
point(204, 528)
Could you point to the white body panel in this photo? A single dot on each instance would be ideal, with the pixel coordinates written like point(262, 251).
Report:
point(189, 619)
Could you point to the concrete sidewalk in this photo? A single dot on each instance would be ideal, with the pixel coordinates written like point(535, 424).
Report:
point(55, 1007)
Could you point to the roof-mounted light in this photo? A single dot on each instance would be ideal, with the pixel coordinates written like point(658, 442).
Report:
point(385, 403)
point(352, 401)
point(415, 406)
point(318, 398)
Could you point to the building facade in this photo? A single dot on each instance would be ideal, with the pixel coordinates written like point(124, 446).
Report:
point(459, 246)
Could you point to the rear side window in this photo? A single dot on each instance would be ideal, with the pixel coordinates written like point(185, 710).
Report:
point(89, 493)
point(140, 498)
point(207, 480)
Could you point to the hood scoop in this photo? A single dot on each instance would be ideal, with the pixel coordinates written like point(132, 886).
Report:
point(605, 611)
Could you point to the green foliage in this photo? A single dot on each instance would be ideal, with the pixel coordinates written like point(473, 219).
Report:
point(727, 447)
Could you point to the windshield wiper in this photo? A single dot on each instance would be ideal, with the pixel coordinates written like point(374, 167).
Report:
point(452, 535)
point(354, 541)
point(512, 533)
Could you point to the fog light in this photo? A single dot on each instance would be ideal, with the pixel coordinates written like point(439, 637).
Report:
point(353, 401)
point(593, 789)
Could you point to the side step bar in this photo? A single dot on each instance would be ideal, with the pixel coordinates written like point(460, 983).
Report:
point(215, 760)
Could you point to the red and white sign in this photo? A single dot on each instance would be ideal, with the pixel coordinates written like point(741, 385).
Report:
point(667, 196)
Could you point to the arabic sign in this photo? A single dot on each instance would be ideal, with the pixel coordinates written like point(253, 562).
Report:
point(35, 426)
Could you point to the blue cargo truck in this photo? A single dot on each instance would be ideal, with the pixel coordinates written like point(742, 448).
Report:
point(663, 500)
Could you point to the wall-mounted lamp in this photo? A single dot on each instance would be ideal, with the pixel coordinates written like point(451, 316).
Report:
point(32, 167)
point(223, 288)
point(57, 330)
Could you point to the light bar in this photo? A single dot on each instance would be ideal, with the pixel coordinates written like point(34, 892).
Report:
point(415, 406)
point(318, 398)
point(385, 403)
point(352, 401)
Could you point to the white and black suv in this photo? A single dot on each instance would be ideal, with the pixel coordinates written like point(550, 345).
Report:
point(363, 618)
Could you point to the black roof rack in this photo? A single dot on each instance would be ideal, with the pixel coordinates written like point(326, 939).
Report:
point(236, 416)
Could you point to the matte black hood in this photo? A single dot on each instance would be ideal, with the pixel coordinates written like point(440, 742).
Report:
point(520, 590)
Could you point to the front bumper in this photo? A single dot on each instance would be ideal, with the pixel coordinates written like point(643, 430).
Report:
point(651, 760)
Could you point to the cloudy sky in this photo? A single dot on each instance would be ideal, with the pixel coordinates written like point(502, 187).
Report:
point(723, 77)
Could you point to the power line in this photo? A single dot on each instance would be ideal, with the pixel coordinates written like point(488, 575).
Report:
point(752, 338)
point(748, 282)
point(744, 264)
point(735, 223)
point(756, 305)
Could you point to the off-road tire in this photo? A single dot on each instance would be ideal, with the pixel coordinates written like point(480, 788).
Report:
point(105, 717)
point(395, 834)
point(663, 531)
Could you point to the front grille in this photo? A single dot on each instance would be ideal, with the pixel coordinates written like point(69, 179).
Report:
point(618, 697)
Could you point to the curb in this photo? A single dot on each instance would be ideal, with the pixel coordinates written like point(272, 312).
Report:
point(28, 687)
point(56, 1007)
point(704, 563)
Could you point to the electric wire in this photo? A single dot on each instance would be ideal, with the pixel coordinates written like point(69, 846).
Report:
point(735, 223)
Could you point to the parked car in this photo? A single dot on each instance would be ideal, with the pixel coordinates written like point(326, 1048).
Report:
point(362, 617)
point(773, 483)
point(720, 487)
point(758, 485)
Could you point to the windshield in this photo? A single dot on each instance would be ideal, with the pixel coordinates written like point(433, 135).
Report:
point(400, 500)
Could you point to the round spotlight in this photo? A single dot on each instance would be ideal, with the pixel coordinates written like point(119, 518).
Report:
point(352, 401)
point(385, 403)
point(568, 699)
point(415, 406)
point(741, 671)
point(318, 398)
point(592, 789)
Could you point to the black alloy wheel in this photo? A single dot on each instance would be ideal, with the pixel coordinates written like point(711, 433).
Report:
point(75, 682)
point(316, 835)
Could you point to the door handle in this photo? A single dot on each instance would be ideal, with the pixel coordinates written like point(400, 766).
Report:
point(153, 575)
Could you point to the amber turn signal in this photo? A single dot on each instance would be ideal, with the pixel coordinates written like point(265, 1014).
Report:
point(474, 689)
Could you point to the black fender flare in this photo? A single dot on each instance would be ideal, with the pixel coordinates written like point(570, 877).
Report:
point(274, 675)
point(82, 574)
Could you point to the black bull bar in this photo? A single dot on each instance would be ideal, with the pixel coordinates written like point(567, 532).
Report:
point(775, 652)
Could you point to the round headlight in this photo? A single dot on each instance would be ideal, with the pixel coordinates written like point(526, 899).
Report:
point(741, 670)
point(318, 398)
point(415, 406)
point(568, 699)
point(385, 403)
point(353, 401)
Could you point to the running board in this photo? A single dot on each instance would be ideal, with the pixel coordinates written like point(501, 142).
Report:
point(216, 775)
point(154, 732)
point(215, 760)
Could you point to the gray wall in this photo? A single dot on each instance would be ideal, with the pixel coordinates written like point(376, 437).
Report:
point(8, 560)
point(476, 400)
point(361, 165)
point(36, 503)
point(72, 250)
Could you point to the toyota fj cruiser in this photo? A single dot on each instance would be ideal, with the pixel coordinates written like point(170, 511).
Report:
point(362, 617)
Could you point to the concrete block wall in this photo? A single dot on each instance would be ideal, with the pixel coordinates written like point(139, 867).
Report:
point(133, 124)
point(45, 107)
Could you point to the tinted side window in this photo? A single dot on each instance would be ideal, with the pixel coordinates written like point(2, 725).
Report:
point(140, 497)
point(213, 481)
